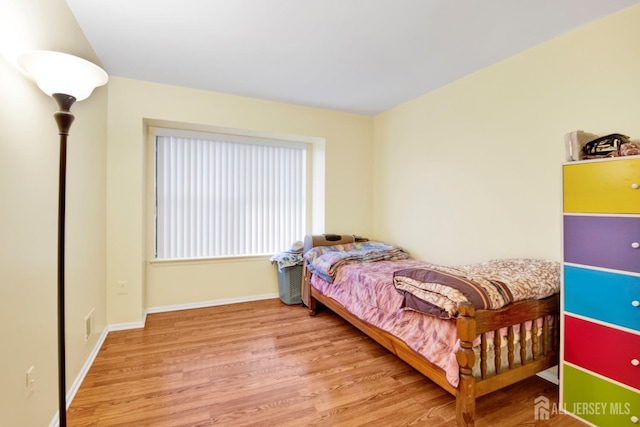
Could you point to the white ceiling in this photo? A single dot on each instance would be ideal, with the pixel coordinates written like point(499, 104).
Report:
point(361, 56)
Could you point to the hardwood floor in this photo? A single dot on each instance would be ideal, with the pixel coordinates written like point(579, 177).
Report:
point(268, 364)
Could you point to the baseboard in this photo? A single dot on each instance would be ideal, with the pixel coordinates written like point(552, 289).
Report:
point(129, 325)
point(188, 306)
point(550, 375)
point(71, 393)
point(211, 303)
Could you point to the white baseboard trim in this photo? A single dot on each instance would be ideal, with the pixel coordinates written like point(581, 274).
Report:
point(71, 393)
point(550, 375)
point(211, 303)
point(187, 306)
point(129, 325)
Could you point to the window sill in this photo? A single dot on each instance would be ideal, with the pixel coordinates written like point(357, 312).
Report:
point(211, 260)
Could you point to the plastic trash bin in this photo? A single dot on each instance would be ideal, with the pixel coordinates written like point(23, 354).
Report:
point(290, 274)
point(290, 284)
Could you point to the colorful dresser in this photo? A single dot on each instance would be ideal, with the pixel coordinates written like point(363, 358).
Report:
point(600, 368)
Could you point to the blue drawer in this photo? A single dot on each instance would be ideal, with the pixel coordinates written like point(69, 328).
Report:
point(602, 295)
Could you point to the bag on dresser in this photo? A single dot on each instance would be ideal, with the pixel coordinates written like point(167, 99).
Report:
point(605, 146)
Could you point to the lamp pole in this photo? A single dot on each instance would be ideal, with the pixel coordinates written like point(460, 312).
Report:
point(64, 119)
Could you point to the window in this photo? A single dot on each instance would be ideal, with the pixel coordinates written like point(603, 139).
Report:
point(227, 195)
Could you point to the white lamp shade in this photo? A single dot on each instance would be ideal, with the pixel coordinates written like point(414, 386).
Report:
point(57, 72)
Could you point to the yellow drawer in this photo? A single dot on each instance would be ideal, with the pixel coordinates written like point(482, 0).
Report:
point(609, 186)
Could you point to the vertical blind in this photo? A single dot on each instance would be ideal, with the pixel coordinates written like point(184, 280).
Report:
point(221, 198)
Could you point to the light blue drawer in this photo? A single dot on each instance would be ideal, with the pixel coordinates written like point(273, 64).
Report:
point(602, 295)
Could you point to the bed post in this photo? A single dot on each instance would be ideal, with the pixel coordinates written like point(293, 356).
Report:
point(307, 299)
point(466, 397)
point(312, 306)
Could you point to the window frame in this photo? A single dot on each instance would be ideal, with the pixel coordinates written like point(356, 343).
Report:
point(315, 180)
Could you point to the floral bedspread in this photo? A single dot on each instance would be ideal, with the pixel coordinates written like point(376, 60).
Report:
point(439, 290)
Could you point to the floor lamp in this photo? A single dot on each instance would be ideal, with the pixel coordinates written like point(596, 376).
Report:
point(67, 79)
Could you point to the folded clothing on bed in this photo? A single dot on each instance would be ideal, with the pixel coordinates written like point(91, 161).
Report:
point(325, 260)
point(439, 290)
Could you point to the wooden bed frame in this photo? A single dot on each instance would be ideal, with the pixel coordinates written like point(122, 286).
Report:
point(470, 324)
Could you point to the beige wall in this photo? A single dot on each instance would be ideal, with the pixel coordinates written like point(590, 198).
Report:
point(131, 103)
point(472, 171)
point(28, 215)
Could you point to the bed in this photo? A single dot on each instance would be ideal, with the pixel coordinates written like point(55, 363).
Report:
point(471, 338)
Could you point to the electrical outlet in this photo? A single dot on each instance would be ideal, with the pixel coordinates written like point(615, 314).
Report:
point(30, 377)
point(123, 287)
point(88, 325)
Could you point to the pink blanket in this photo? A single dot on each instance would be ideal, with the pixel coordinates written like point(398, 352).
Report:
point(367, 291)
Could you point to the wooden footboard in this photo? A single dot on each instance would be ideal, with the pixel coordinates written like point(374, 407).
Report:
point(534, 356)
point(470, 325)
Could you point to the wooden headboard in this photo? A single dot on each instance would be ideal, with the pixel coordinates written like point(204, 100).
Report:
point(313, 240)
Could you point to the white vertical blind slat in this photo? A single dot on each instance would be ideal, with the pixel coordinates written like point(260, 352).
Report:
point(217, 198)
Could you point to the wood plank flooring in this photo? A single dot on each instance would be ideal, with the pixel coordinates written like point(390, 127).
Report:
point(265, 363)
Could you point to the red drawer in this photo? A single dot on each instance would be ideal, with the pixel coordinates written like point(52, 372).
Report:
point(607, 351)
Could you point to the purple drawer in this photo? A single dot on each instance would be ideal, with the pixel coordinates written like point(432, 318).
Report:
point(602, 241)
